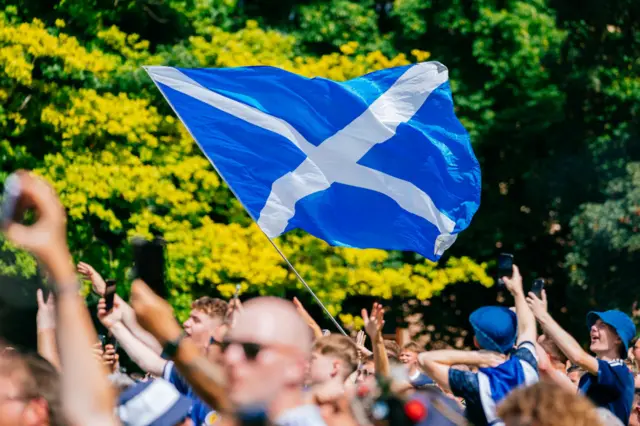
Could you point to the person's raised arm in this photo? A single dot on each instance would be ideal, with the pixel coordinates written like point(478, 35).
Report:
point(99, 286)
point(565, 342)
point(436, 364)
point(313, 325)
point(140, 354)
point(527, 331)
point(46, 323)
point(87, 395)
point(373, 326)
point(156, 316)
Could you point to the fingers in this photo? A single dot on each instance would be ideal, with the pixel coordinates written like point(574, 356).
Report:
point(544, 296)
point(365, 315)
point(516, 272)
point(40, 298)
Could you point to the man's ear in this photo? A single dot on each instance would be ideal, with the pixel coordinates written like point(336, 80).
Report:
point(37, 412)
point(336, 367)
point(220, 331)
point(475, 343)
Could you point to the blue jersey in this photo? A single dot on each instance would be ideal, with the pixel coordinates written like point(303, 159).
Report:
point(201, 413)
point(612, 388)
point(483, 391)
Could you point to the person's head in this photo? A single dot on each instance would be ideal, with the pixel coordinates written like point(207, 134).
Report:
point(409, 353)
point(393, 350)
point(546, 404)
point(575, 373)
point(634, 418)
point(610, 333)
point(266, 353)
point(332, 356)
point(556, 356)
point(206, 321)
point(635, 349)
point(367, 372)
point(154, 403)
point(495, 328)
point(23, 396)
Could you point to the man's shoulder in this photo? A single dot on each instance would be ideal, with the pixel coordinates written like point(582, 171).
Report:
point(618, 367)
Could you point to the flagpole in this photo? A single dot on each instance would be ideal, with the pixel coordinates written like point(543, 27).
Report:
point(304, 283)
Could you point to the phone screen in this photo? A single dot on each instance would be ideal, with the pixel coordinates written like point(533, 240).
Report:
point(10, 199)
point(149, 264)
point(537, 287)
point(505, 265)
point(110, 293)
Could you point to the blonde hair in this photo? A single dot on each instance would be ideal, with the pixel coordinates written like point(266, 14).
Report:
point(341, 347)
point(412, 347)
point(546, 404)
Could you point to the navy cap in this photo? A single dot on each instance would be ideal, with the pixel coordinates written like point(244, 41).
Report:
point(153, 403)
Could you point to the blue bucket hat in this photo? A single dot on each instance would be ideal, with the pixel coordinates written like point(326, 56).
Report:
point(619, 321)
point(495, 327)
point(153, 403)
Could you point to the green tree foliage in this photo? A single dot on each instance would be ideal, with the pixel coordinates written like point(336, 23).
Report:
point(549, 91)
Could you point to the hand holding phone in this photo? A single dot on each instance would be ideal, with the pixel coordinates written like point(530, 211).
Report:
point(109, 294)
point(505, 267)
point(10, 200)
point(537, 287)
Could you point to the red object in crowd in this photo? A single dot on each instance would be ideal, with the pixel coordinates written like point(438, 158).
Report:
point(415, 411)
point(362, 391)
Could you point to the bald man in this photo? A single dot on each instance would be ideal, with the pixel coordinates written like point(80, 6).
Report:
point(265, 357)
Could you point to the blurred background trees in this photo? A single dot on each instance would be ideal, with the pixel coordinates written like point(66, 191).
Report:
point(550, 93)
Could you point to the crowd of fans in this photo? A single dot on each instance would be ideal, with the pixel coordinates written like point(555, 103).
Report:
point(268, 362)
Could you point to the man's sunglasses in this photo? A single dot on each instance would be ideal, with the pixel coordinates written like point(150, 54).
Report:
point(251, 349)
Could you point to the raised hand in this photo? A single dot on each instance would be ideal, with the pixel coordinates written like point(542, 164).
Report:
point(234, 308)
point(361, 338)
point(46, 317)
point(514, 283)
point(539, 307)
point(97, 282)
point(109, 319)
point(374, 322)
point(47, 238)
point(317, 331)
point(110, 358)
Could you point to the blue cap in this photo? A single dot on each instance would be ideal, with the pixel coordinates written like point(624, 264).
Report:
point(619, 321)
point(153, 403)
point(495, 327)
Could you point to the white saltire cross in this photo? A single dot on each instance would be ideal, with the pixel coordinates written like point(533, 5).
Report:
point(335, 159)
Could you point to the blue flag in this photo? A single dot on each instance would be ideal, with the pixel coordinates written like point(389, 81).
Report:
point(378, 161)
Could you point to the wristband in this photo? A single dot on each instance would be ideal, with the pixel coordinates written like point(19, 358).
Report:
point(170, 348)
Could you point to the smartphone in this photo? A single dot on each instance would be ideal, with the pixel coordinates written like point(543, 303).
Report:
point(148, 257)
point(103, 340)
point(537, 287)
point(10, 199)
point(505, 265)
point(110, 293)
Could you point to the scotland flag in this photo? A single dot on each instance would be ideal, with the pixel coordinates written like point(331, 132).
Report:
point(378, 161)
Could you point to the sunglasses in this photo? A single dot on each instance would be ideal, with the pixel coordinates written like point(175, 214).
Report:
point(252, 350)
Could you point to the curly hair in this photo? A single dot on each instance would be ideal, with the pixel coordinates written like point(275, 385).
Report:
point(215, 308)
point(546, 404)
